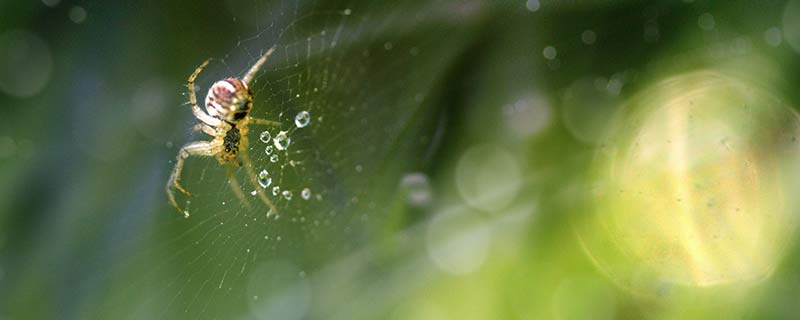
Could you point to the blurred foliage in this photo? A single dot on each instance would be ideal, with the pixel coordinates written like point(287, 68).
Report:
point(452, 158)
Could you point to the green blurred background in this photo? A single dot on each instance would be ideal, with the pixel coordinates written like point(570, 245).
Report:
point(465, 159)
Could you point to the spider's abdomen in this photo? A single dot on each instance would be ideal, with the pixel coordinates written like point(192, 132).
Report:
point(231, 141)
point(229, 100)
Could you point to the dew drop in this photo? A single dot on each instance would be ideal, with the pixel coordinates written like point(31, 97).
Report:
point(264, 179)
point(269, 149)
point(276, 190)
point(186, 214)
point(274, 158)
point(265, 136)
point(302, 119)
point(254, 192)
point(306, 193)
point(282, 140)
point(287, 194)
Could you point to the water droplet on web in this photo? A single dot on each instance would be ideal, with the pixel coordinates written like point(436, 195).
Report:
point(276, 190)
point(274, 158)
point(265, 136)
point(186, 214)
point(287, 194)
point(269, 149)
point(302, 118)
point(264, 179)
point(253, 193)
point(282, 140)
point(306, 193)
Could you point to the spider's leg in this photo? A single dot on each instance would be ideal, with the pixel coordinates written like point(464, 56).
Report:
point(263, 122)
point(237, 188)
point(248, 168)
point(199, 113)
point(190, 82)
point(205, 128)
point(197, 148)
point(205, 118)
point(254, 69)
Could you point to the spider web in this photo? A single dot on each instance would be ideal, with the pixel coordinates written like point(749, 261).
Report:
point(375, 78)
point(365, 73)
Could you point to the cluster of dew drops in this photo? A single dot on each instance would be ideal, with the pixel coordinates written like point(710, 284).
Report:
point(281, 142)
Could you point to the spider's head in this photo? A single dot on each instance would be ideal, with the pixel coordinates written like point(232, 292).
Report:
point(229, 100)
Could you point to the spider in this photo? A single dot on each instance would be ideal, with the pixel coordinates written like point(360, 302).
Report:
point(228, 105)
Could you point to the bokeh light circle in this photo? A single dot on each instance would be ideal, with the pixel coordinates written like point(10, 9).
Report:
point(694, 186)
point(583, 297)
point(587, 105)
point(25, 63)
point(488, 177)
point(458, 241)
point(791, 24)
point(278, 290)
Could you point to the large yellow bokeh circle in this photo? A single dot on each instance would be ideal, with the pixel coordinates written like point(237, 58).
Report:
point(695, 186)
